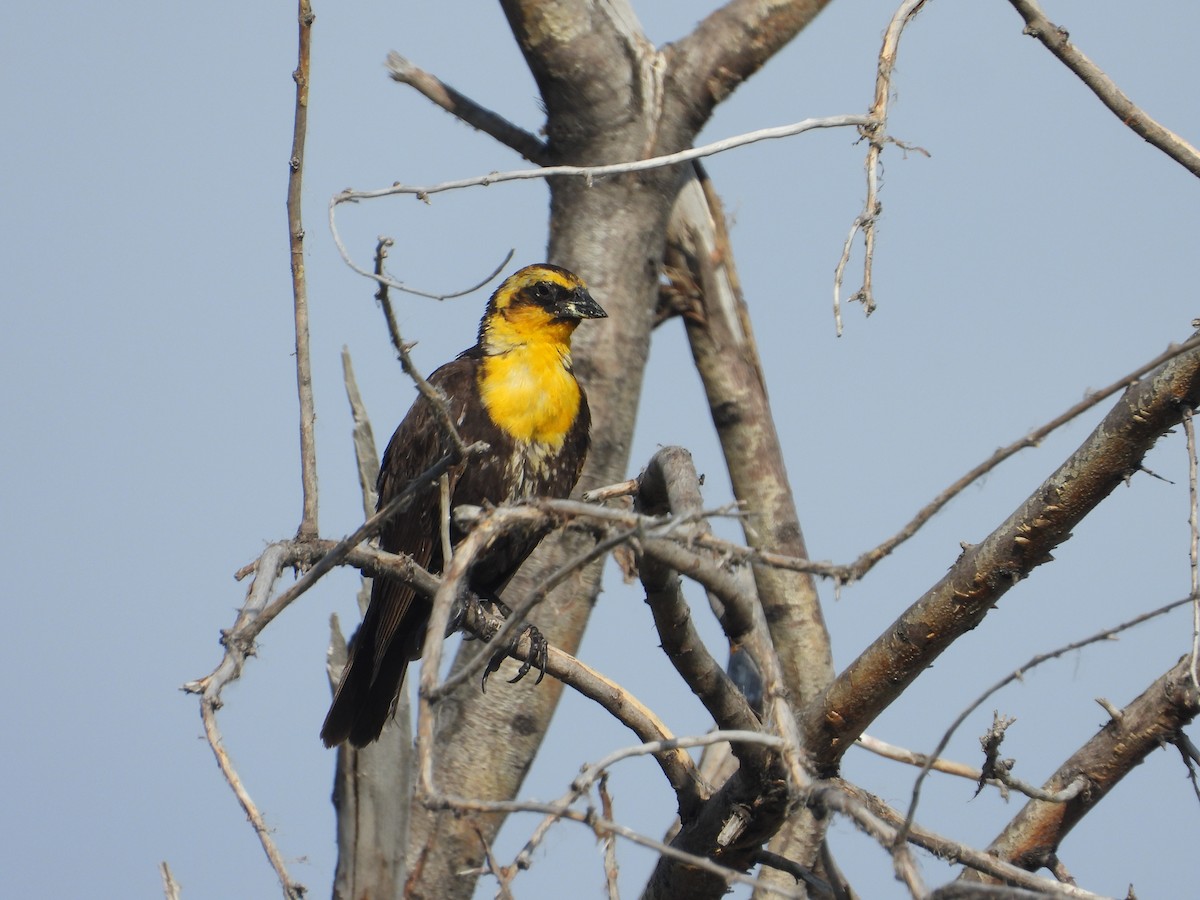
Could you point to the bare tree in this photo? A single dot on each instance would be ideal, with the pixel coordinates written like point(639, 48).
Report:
point(633, 211)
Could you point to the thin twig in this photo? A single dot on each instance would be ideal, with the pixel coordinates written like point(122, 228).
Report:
point(875, 133)
point(867, 560)
point(384, 279)
point(435, 397)
point(209, 689)
point(170, 885)
point(423, 192)
point(1194, 548)
point(1001, 777)
point(610, 840)
point(1106, 634)
point(920, 760)
point(366, 457)
point(1130, 114)
point(308, 447)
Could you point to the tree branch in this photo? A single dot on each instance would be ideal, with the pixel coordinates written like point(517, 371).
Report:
point(308, 447)
point(985, 572)
point(1056, 40)
point(432, 88)
point(1032, 838)
point(726, 357)
point(867, 560)
point(669, 485)
point(876, 134)
point(730, 45)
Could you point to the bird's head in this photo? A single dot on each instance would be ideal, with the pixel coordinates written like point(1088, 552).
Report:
point(538, 303)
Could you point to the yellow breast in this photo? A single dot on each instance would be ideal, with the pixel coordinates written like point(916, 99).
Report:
point(530, 393)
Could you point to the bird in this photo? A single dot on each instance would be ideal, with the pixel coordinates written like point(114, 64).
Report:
point(514, 389)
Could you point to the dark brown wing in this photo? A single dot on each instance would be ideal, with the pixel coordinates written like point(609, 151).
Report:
point(393, 629)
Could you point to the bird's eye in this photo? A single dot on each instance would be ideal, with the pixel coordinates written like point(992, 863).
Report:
point(543, 291)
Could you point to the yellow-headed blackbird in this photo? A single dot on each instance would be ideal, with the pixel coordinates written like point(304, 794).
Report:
point(515, 390)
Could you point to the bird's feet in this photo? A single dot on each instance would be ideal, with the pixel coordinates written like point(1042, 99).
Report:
point(469, 616)
point(538, 651)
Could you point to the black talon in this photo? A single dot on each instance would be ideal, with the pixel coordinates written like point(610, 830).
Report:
point(492, 666)
point(538, 653)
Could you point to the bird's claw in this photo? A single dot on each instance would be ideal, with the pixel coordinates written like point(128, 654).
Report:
point(538, 652)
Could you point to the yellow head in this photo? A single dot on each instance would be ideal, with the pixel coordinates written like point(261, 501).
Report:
point(538, 304)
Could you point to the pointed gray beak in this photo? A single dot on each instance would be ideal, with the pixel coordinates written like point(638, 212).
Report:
point(579, 305)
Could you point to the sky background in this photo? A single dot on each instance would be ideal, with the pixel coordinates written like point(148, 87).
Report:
point(149, 415)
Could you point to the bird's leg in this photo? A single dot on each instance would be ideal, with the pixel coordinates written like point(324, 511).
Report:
point(468, 613)
point(538, 650)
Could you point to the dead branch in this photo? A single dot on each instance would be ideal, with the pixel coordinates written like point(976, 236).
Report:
point(308, 447)
point(848, 799)
point(1105, 635)
point(984, 572)
point(210, 688)
point(1032, 838)
point(432, 88)
point(669, 485)
point(867, 561)
point(726, 357)
point(1057, 41)
point(876, 135)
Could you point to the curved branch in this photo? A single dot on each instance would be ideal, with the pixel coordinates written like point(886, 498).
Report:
point(1056, 40)
point(669, 485)
point(984, 572)
point(676, 764)
point(729, 46)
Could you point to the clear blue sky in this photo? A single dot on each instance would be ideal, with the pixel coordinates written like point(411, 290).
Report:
point(148, 420)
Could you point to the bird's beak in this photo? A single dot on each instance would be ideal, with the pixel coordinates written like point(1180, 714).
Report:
point(579, 305)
